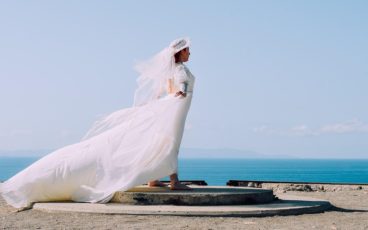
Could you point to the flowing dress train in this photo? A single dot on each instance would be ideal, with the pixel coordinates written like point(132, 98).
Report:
point(127, 148)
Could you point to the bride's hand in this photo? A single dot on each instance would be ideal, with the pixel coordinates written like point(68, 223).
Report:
point(180, 93)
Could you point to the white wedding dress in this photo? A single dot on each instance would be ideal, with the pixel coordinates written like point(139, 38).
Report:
point(124, 149)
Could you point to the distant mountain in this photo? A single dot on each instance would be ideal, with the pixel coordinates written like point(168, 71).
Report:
point(24, 153)
point(184, 153)
point(225, 153)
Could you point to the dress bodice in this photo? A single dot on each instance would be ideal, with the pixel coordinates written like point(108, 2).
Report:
point(183, 78)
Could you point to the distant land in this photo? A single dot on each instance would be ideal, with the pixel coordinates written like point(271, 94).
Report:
point(24, 153)
point(226, 153)
point(184, 153)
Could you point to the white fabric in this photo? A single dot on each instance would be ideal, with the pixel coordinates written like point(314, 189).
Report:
point(124, 149)
point(182, 78)
point(155, 72)
point(183, 87)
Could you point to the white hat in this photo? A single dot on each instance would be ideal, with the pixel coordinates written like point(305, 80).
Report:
point(180, 44)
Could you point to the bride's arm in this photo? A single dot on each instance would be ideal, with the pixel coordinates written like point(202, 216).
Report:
point(181, 79)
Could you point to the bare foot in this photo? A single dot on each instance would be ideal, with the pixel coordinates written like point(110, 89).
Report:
point(179, 186)
point(156, 183)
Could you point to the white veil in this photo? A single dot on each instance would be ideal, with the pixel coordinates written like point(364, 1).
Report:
point(152, 81)
point(155, 72)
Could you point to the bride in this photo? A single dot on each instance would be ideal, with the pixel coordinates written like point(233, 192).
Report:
point(124, 149)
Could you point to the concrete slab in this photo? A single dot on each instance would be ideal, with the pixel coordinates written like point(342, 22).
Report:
point(286, 205)
point(200, 195)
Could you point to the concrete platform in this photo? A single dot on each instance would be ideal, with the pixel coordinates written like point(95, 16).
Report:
point(286, 205)
point(200, 195)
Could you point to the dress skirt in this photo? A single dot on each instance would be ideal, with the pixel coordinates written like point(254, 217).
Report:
point(124, 149)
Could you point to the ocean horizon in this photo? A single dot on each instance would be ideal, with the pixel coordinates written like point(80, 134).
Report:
point(220, 170)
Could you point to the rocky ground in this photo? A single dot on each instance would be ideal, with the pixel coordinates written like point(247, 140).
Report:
point(350, 212)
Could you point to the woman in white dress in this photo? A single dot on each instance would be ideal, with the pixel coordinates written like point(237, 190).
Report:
point(124, 149)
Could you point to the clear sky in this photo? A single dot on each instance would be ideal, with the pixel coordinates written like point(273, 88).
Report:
point(274, 77)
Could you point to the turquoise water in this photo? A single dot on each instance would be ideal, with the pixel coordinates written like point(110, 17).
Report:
point(219, 171)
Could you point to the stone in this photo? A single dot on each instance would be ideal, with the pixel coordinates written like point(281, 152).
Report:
point(251, 184)
point(200, 195)
point(287, 205)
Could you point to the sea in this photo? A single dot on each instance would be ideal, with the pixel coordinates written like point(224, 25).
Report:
point(219, 171)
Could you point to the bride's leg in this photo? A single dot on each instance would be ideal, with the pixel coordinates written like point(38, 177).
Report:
point(175, 183)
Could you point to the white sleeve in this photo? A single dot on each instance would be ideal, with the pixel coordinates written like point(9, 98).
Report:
point(181, 78)
point(183, 87)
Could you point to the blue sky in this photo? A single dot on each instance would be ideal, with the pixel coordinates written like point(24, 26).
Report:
point(274, 77)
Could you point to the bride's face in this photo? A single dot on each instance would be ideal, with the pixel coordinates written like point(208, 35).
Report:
point(185, 54)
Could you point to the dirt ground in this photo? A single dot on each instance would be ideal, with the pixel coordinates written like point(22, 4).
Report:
point(350, 212)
